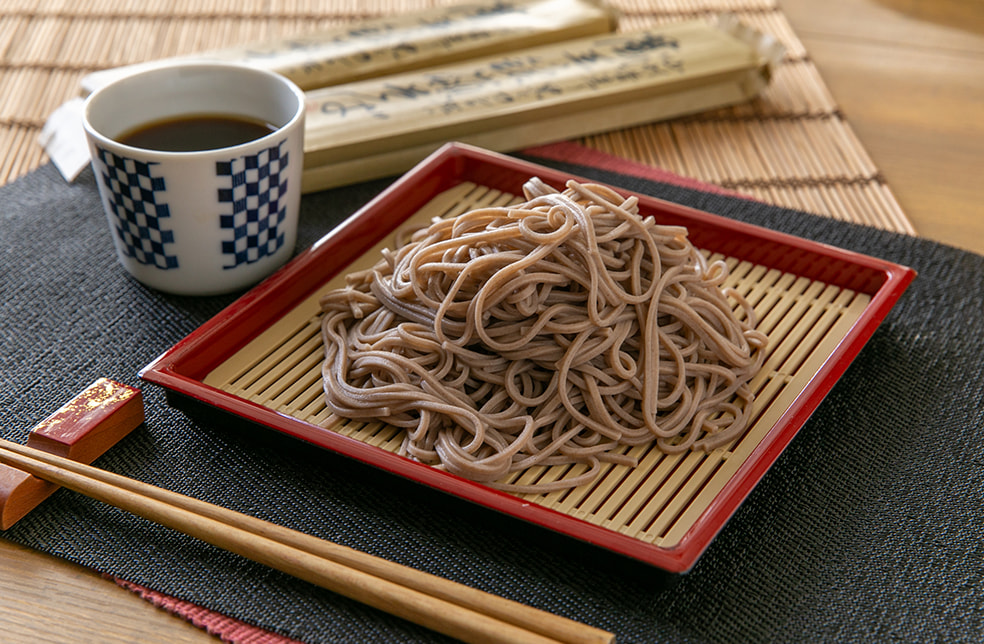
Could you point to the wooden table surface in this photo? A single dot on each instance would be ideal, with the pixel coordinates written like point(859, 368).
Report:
point(909, 76)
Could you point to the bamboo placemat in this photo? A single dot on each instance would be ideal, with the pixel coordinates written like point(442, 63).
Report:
point(791, 147)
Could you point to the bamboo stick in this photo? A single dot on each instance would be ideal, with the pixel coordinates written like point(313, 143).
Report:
point(430, 601)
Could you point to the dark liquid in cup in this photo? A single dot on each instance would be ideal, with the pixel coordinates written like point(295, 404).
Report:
point(198, 132)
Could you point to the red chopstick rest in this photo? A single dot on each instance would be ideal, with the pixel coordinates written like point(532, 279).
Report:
point(82, 430)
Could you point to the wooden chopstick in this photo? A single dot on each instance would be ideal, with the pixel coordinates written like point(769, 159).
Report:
point(436, 603)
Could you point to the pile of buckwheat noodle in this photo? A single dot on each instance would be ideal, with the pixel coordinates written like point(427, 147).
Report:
point(561, 330)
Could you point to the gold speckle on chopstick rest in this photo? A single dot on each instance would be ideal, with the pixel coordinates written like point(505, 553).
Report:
point(97, 396)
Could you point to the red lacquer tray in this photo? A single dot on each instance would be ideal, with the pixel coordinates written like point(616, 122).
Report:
point(260, 360)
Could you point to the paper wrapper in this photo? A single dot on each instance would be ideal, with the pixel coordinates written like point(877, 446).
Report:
point(377, 47)
point(381, 127)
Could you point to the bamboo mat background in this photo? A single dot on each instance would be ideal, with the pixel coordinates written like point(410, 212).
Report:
point(792, 146)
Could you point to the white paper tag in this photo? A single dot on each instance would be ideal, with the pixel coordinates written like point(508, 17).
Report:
point(63, 138)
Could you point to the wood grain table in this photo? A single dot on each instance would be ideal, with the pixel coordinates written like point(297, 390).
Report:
point(908, 75)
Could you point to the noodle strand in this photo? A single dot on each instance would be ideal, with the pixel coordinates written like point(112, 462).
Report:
point(562, 330)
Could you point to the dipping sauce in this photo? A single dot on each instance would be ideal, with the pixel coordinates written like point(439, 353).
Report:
point(189, 133)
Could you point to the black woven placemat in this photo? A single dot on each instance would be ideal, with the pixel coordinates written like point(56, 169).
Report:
point(868, 527)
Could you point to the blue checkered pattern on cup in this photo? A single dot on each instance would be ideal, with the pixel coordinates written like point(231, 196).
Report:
point(139, 210)
point(258, 197)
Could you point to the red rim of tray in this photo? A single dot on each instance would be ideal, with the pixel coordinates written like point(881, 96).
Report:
point(183, 368)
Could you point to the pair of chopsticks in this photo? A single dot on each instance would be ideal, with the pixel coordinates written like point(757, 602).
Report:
point(436, 603)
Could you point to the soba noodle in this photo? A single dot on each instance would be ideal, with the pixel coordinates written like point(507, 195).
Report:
point(561, 330)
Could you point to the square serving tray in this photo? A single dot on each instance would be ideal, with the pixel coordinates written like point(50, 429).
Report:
point(260, 359)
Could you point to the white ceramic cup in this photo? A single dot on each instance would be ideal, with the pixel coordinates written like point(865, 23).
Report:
point(202, 222)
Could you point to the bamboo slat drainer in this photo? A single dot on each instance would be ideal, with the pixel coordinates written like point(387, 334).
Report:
point(655, 502)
